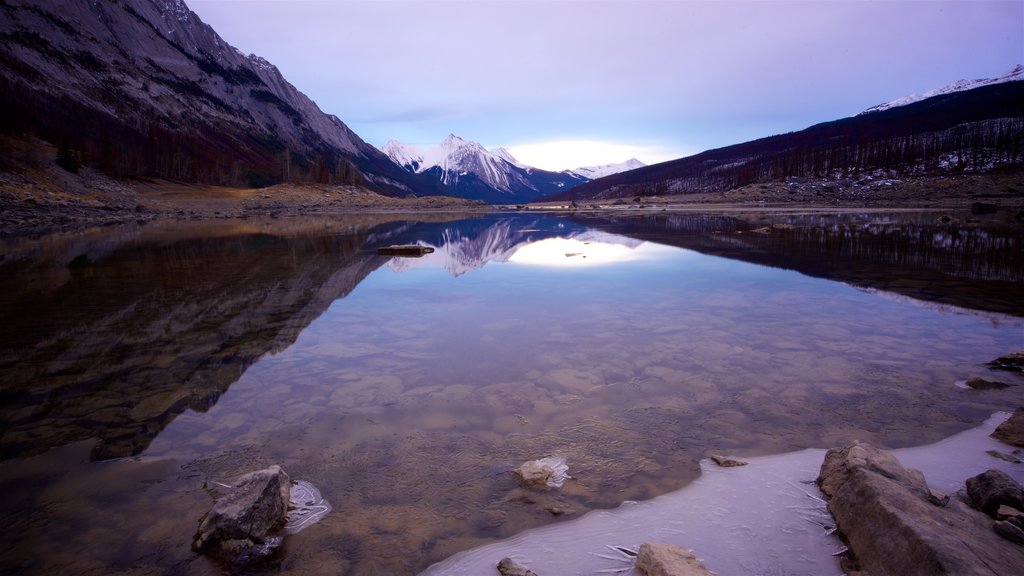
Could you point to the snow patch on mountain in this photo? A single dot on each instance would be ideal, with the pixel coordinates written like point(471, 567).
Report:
point(595, 172)
point(1013, 75)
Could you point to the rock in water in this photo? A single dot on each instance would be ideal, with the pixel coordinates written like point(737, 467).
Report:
point(509, 567)
point(1012, 431)
point(551, 471)
point(668, 560)
point(992, 489)
point(726, 462)
point(1012, 362)
point(886, 514)
point(978, 383)
point(245, 518)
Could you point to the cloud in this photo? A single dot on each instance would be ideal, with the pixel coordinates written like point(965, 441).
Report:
point(568, 154)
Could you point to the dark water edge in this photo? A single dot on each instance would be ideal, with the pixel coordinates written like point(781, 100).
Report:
point(112, 337)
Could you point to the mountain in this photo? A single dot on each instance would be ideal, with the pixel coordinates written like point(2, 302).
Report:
point(967, 131)
point(476, 173)
point(1014, 74)
point(145, 89)
point(595, 172)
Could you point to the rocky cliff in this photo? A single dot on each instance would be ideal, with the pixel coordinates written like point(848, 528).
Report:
point(144, 88)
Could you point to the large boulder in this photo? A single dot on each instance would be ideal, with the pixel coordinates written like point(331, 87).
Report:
point(251, 513)
point(1011, 431)
point(840, 463)
point(894, 525)
point(656, 559)
point(992, 489)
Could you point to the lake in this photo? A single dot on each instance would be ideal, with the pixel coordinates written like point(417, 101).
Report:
point(142, 365)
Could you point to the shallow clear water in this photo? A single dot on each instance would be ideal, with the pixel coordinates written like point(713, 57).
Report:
point(141, 363)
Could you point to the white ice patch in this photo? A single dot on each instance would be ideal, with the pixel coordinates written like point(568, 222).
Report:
point(764, 518)
point(560, 470)
point(305, 507)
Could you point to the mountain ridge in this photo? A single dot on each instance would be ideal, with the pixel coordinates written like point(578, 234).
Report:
point(958, 132)
point(493, 175)
point(475, 173)
point(146, 89)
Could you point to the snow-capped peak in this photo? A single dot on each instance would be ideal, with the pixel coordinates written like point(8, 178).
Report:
point(456, 157)
point(595, 172)
point(1014, 74)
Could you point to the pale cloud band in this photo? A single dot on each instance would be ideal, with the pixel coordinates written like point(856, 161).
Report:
point(568, 154)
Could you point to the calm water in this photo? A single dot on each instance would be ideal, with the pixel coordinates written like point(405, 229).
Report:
point(139, 363)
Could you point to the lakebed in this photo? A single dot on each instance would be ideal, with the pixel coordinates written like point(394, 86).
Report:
point(144, 362)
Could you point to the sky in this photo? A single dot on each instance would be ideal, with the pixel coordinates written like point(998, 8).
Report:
point(564, 84)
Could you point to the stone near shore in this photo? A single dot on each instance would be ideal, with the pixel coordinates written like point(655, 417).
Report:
point(509, 567)
point(977, 383)
point(1011, 431)
point(894, 525)
point(992, 489)
point(1012, 362)
point(244, 522)
point(725, 461)
point(546, 472)
point(656, 559)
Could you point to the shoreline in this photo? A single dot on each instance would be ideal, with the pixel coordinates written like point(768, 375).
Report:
point(766, 517)
point(51, 200)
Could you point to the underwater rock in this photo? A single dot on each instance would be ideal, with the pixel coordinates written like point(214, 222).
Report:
point(726, 462)
point(1011, 431)
point(992, 489)
point(894, 526)
point(981, 384)
point(241, 522)
point(551, 471)
point(509, 567)
point(668, 560)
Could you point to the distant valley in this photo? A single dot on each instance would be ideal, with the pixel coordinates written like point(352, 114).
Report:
point(137, 109)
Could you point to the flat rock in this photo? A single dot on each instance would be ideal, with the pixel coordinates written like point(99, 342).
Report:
point(656, 559)
point(1011, 431)
point(992, 489)
point(248, 515)
point(893, 526)
point(726, 462)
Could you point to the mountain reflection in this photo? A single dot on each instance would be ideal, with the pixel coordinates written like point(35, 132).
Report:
point(967, 264)
point(123, 337)
point(112, 335)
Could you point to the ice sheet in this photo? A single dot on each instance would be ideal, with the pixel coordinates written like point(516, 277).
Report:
point(763, 518)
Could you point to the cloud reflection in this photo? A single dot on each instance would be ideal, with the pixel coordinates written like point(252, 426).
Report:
point(578, 252)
